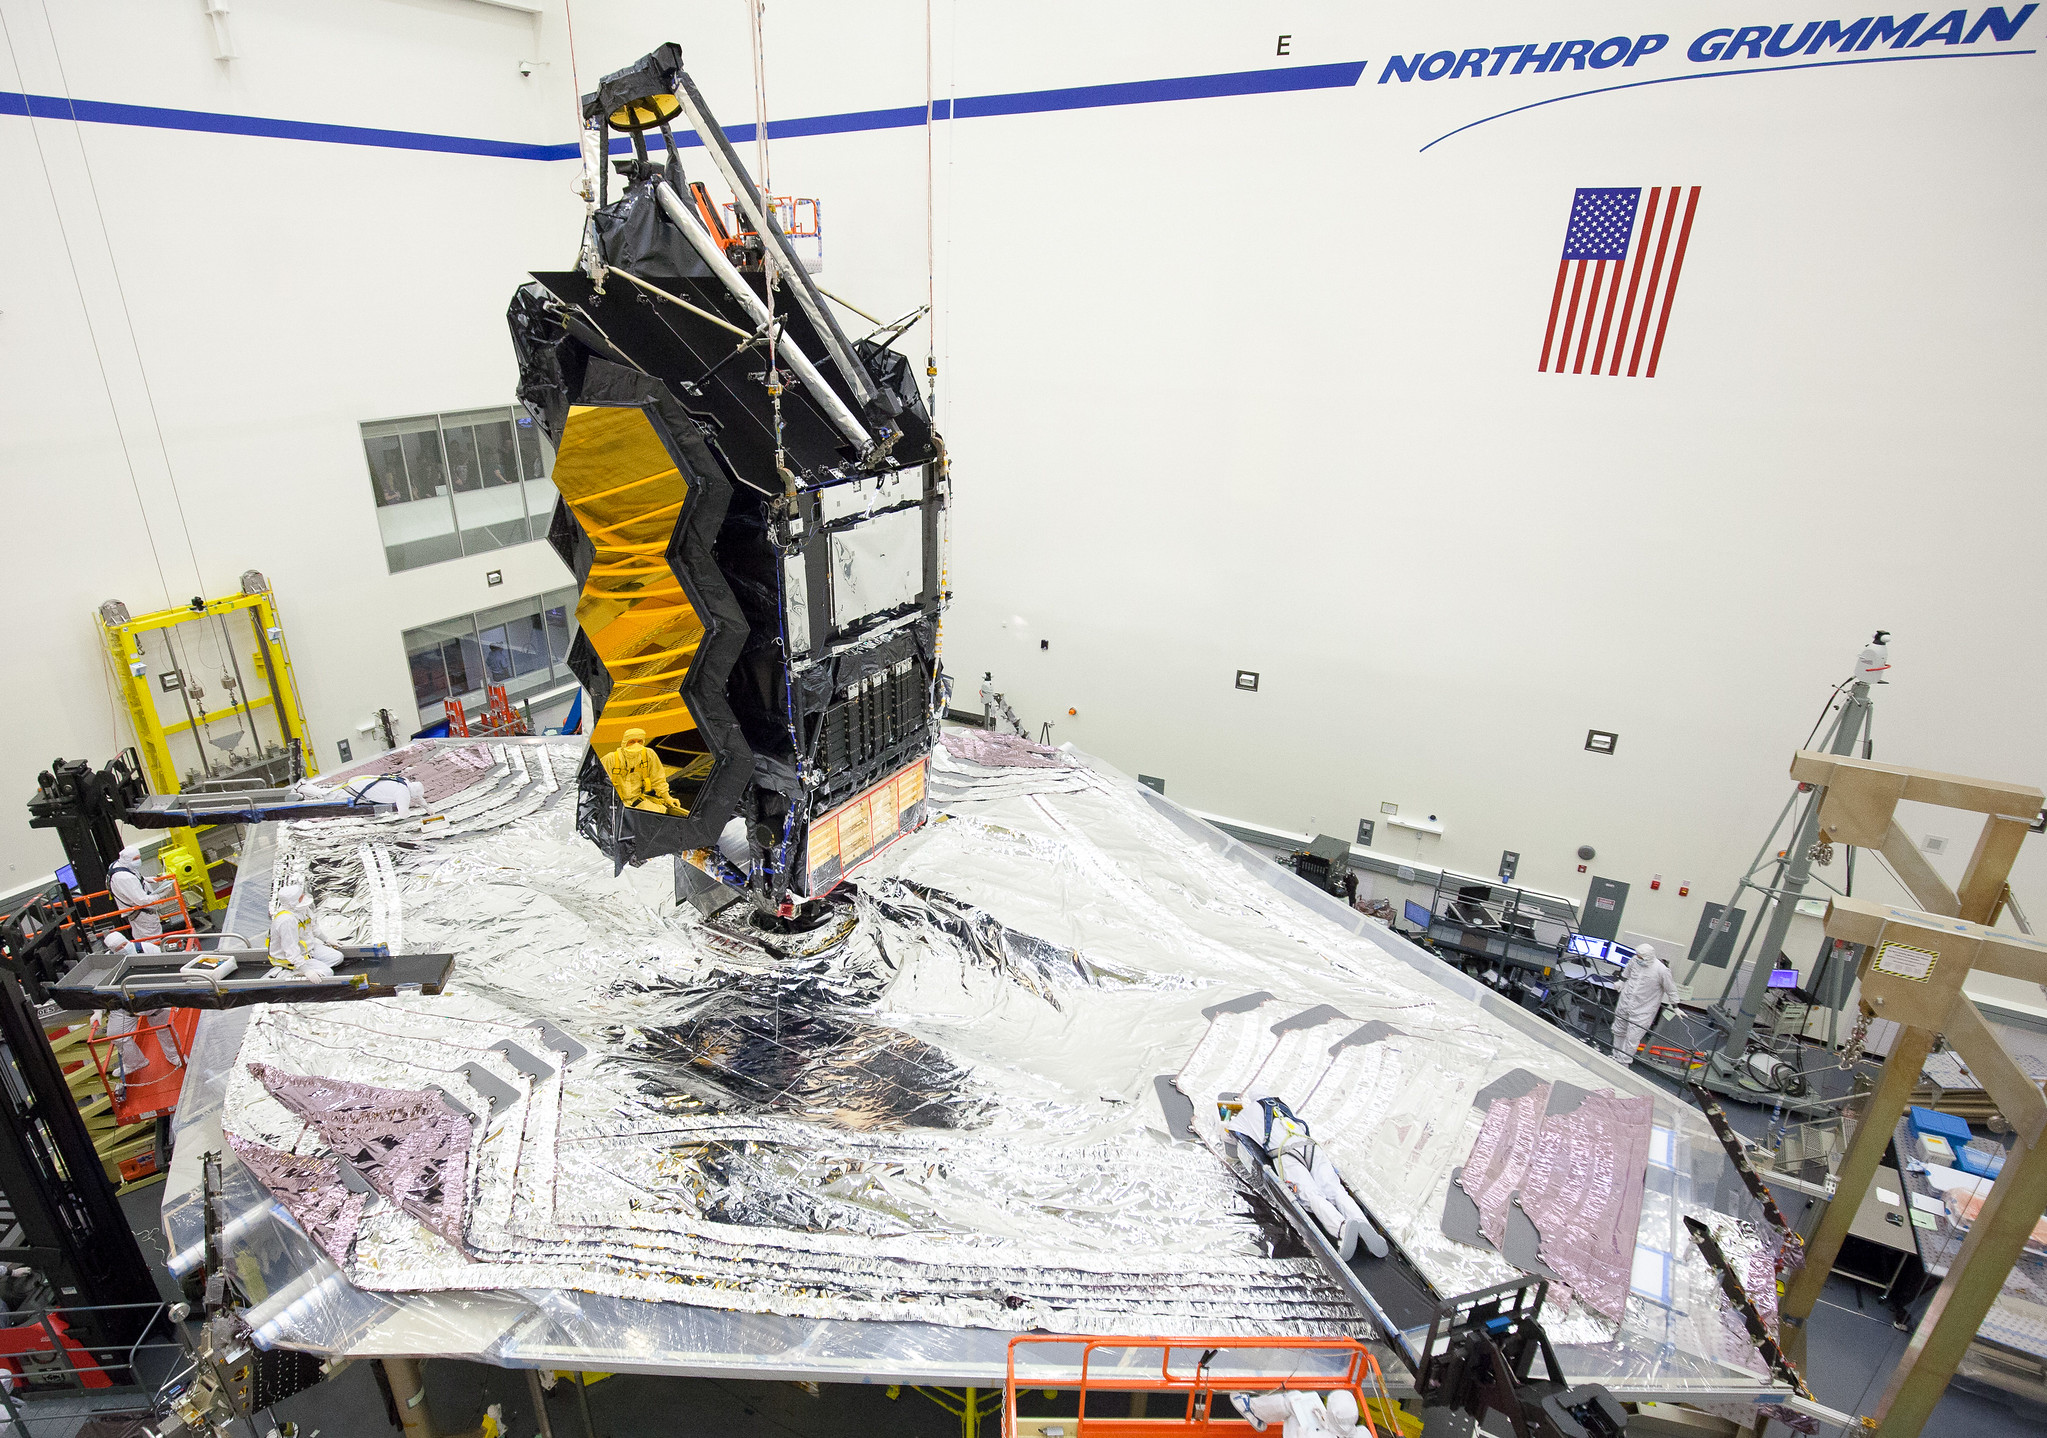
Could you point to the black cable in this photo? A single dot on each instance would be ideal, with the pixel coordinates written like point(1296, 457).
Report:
point(1827, 706)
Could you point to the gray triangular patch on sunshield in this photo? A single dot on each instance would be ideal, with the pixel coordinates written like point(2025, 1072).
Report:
point(454, 1103)
point(1510, 1085)
point(1177, 1107)
point(351, 1177)
point(1564, 1097)
point(528, 1064)
point(1237, 1006)
point(1522, 1244)
point(562, 1041)
point(1367, 1033)
point(494, 1089)
point(1460, 1215)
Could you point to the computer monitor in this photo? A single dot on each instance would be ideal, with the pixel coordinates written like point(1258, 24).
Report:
point(1472, 915)
point(1783, 979)
point(1584, 946)
point(1618, 955)
point(1478, 892)
point(68, 877)
point(1417, 914)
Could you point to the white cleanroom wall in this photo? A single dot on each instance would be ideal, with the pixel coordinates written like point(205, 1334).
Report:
point(1239, 382)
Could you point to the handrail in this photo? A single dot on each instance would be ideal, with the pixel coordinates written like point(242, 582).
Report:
point(87, 920)
point(1201, 1386)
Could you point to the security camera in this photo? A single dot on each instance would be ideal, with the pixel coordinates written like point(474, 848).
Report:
point(525, 67)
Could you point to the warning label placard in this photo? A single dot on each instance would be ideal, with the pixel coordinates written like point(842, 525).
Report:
point(1902, 961)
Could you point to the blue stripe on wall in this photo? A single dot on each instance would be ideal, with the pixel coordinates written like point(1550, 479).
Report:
point(1027, 102)
point(102, 112)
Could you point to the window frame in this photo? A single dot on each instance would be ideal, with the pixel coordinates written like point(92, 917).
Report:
point(530, 454)
point(468, 630)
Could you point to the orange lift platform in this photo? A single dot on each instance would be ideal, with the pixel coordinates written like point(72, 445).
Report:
point(150, 1091)
point(145, 1092)
point(1170, 1387)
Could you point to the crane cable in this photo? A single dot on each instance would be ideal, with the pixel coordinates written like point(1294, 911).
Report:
point(92, 334)
point(770, 262)
point(127, 314)
point(931, 312)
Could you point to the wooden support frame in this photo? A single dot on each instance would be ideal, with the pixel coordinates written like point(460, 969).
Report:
point(1913, 965)
point(1860, 806)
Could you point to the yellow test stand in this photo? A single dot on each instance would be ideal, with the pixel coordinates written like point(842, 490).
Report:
point(151, 662)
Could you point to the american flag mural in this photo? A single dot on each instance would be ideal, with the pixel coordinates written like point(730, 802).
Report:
point(1617, 280)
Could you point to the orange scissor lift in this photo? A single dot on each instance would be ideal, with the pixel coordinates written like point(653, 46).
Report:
point(1185, 1391)
point(149, 1091)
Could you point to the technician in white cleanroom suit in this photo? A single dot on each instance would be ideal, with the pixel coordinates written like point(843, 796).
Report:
point(121, 1025)
point(124, 881)
point(1646, 987)
point(1301, 1414)
point(1273, 1130)
point(401, 793)
point(296, 941)
point(394, 789)
point(121, 946)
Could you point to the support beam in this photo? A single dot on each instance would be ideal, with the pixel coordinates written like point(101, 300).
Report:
point(1973, 1282)
point(1983, 883)
point(1977, 948)
point(1865, 1154)
point(539, 1396)
point(2017, 1097)
point(1928, 889)
point(1857, 789)
point(408, 1390)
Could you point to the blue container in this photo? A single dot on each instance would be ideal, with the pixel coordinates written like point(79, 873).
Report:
point(1982, 1158)
point(1954, 1130)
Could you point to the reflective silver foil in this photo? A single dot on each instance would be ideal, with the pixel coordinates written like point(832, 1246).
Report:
point(878, 1148)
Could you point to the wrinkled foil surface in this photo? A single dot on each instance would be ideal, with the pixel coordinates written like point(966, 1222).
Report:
point(881, 1146)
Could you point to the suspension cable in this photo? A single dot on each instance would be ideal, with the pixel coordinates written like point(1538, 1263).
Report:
point(92, 335)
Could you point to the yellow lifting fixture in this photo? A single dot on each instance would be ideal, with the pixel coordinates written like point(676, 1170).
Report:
point(229, 653)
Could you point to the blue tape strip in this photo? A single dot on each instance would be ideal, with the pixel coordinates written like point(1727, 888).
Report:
point(1027, 102)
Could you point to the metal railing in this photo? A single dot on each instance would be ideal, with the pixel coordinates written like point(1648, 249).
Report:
point(51, 1362)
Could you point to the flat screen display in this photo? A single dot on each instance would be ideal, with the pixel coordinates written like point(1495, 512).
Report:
point(1417, 914)
point(1584, 946)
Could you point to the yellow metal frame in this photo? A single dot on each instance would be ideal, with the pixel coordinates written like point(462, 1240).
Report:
point(181, 851)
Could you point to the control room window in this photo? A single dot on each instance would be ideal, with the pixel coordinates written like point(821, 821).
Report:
point(447, 485)
point(522, 645)
point(446, 661)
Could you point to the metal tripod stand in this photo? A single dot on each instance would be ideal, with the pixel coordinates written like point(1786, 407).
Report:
point(1780, 894)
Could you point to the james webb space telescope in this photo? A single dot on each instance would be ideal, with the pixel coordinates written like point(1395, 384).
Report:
point(750, 502)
